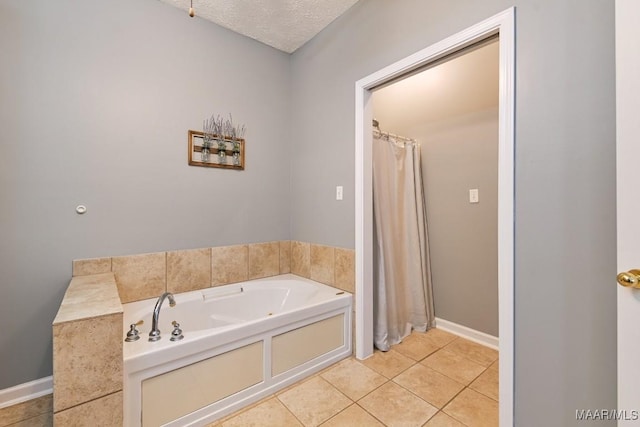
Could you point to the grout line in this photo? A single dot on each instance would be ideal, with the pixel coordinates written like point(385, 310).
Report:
point(355, 402)
point(365, 409)
point(88, 401)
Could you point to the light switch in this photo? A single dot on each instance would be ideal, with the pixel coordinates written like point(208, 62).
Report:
point(339, 192)
point(474, 197)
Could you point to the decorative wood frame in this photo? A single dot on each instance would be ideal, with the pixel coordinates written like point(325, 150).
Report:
point(196, 141)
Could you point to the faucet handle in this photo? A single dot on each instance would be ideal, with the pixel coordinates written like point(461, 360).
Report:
point(176, 334)
point(134, 334)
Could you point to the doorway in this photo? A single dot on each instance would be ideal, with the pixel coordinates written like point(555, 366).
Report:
point(451, 109)
point(501, 25)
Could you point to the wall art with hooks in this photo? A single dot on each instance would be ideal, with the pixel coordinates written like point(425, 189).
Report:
point(219, 145)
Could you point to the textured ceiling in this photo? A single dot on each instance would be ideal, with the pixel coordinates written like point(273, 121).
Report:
point(283, 24)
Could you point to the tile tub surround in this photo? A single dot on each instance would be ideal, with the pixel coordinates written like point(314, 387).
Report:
point(87, 348)
point(92, 306)
point(330, 265)
point(144, 276)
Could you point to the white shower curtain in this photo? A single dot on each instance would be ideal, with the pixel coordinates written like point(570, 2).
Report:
point(403, 295)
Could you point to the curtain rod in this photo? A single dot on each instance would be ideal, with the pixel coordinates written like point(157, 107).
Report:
point(387, 135)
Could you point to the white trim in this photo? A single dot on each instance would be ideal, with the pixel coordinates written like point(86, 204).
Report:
point(27, 391)
point(504, 25)
point(468, 333)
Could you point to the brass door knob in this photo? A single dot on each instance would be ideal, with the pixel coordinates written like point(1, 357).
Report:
point(629, 279)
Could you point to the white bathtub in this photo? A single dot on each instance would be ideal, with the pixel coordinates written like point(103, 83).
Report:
point(241, 343)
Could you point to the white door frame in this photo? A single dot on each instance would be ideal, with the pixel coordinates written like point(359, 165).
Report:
point(502, 24)
point(628, 226)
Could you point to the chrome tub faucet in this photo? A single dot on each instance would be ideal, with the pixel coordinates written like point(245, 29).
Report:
point(154, 335)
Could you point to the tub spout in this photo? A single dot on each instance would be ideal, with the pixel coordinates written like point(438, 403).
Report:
point(154, 335)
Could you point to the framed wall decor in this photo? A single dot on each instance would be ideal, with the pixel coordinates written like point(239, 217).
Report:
point(215, 151)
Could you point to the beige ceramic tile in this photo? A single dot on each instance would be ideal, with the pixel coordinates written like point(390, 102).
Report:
point(495, 365)
point(294, 385)
point(395, 406)
point(229, 264)
point(25, 410)
point(264, 260)
point(480, 354)
point(443, 420)
point(354, 416)
point(44, 420)
point(89, 296)
point(454, 366)
point(389, 363)
point(314, 401)
point(322, 264)
point(103, 412)
point(85, 267)
point(487, 384)
point(432, 386)
point(271, 413)
point(188, 270)
point(473, 409)
point(353, 378)
point(345, 269)
point(140, 276)
point(285, 256)
point(87, 360)
point(440, 337)
point(301, 259)
point(416, 346)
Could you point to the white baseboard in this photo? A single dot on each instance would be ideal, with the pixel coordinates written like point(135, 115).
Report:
point(27, 391)
point(468, 333)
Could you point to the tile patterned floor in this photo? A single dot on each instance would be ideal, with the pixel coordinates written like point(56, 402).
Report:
point(432, 379)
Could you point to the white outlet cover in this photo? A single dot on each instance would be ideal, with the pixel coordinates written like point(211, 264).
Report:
point(474, 197)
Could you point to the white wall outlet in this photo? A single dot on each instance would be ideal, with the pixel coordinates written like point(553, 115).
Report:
point(339, 192)
point(474, 197)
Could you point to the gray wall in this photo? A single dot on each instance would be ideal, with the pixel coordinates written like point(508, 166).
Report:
point(565, 165)
point(458, 154)
point(96, 98)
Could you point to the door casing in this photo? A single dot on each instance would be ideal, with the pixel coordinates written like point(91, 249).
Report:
point(502, 24)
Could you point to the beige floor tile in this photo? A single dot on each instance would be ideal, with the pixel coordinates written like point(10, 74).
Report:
point(454, 366)
point(296, 384)
point(473, 409)
point(219, 421)
point(432, 386)
point(25, 410)
point(487, 384)
point(314, 401)
point(397, 407)
point(416, 346)
point(480, 354)
point(353, 378)
point(271, 413)
point(440, 337)
point(354, 415)
point(443, 420)
point(388, 363)
point(495, 365)
point(44, 420)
